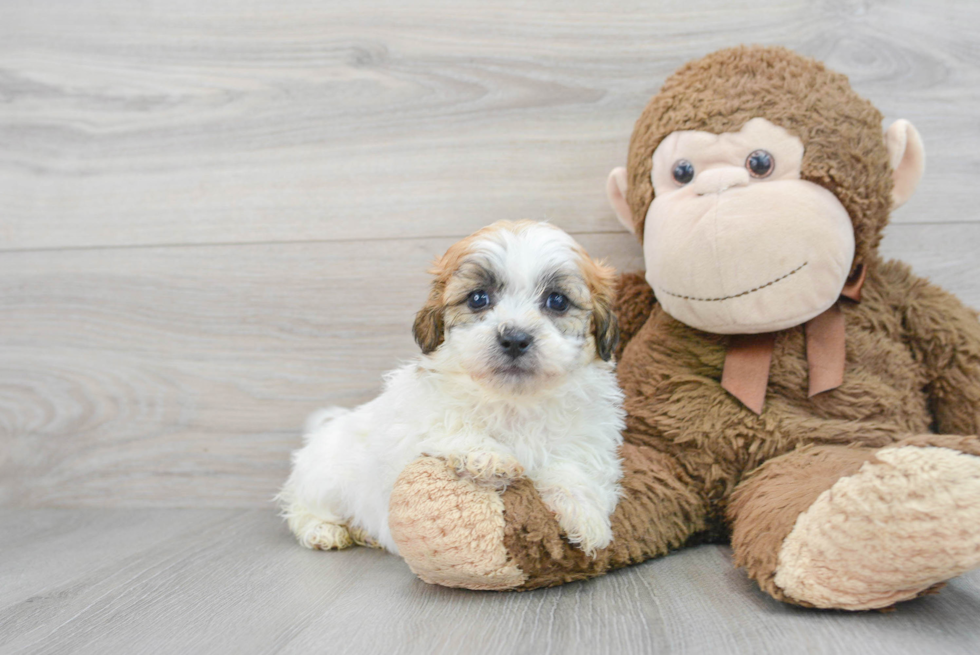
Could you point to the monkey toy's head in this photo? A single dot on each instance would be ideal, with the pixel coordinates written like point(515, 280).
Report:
point(758, 183)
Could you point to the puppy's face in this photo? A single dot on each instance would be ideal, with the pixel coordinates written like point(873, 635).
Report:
point(518, 306)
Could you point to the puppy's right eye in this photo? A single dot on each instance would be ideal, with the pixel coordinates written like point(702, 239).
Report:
point(478, 299)
point(556, 302)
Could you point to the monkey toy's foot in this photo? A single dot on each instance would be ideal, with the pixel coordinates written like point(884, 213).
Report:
point(906, 521)
point(457, 531)
point(450, 529)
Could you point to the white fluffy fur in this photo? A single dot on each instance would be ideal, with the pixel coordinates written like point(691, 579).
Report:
point(559, 420)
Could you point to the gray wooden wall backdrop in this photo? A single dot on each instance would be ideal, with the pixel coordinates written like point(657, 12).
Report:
point(215, 215)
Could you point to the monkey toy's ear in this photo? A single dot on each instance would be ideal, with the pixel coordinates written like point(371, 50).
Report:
point(616, 190)
point(907, 158)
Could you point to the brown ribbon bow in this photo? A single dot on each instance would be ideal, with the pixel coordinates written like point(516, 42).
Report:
point(747, 360)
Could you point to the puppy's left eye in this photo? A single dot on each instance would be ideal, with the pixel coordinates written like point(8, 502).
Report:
point(478, 299)
point(556, 302)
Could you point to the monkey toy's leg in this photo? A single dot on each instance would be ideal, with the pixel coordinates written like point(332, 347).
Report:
point(457, 533)
point(860, 528)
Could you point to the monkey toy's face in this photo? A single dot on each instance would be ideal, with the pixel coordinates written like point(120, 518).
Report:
point(738, 236)
point(734, 240)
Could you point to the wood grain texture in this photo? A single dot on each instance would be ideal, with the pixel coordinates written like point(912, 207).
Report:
point(223, 581)
point(127, 123)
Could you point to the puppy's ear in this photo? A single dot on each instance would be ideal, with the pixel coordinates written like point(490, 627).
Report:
point(605, 328)
point(602, 284)
point(429, 327)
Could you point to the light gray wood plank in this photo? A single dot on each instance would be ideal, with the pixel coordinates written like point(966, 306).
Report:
point(223, 581)
point(295, 120)
point(44, 550)
point(180, 376)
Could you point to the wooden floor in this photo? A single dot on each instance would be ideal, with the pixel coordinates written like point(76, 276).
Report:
point(215, 217)
point(233, 581)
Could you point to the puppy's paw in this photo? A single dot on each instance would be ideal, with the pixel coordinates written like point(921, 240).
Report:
point(362, 538)
point(326, 536)
point(590, 532)
point(311, 530)
point(584, 525)
point(485, 466)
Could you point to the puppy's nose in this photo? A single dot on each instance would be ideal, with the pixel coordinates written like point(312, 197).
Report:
point(514, 342)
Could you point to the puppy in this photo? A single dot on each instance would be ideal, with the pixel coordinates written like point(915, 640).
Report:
point(515, 378)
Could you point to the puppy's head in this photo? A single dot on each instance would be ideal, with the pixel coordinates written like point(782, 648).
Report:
point(518, 306)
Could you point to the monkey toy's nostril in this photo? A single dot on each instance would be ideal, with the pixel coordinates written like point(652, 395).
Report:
point(515, 343)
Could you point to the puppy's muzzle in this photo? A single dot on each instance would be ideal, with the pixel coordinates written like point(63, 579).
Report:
point(514, 343)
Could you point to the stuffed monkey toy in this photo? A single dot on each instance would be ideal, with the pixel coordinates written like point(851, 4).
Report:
point(786, 389)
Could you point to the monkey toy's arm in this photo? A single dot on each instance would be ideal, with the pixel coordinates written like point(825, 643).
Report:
point(945, 337)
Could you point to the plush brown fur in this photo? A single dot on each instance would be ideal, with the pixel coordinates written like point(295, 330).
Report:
point(697, 463)
point(657, 492)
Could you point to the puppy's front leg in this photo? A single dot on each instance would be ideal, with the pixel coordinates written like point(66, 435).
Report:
point(582, 503)
point(488, 466)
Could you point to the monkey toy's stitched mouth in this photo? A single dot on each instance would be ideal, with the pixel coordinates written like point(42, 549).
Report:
point(740, 294)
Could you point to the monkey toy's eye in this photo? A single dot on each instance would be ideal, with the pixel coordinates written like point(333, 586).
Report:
point(478, 299)
point(760, 163)
point(683, 171)
point(556, 302)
